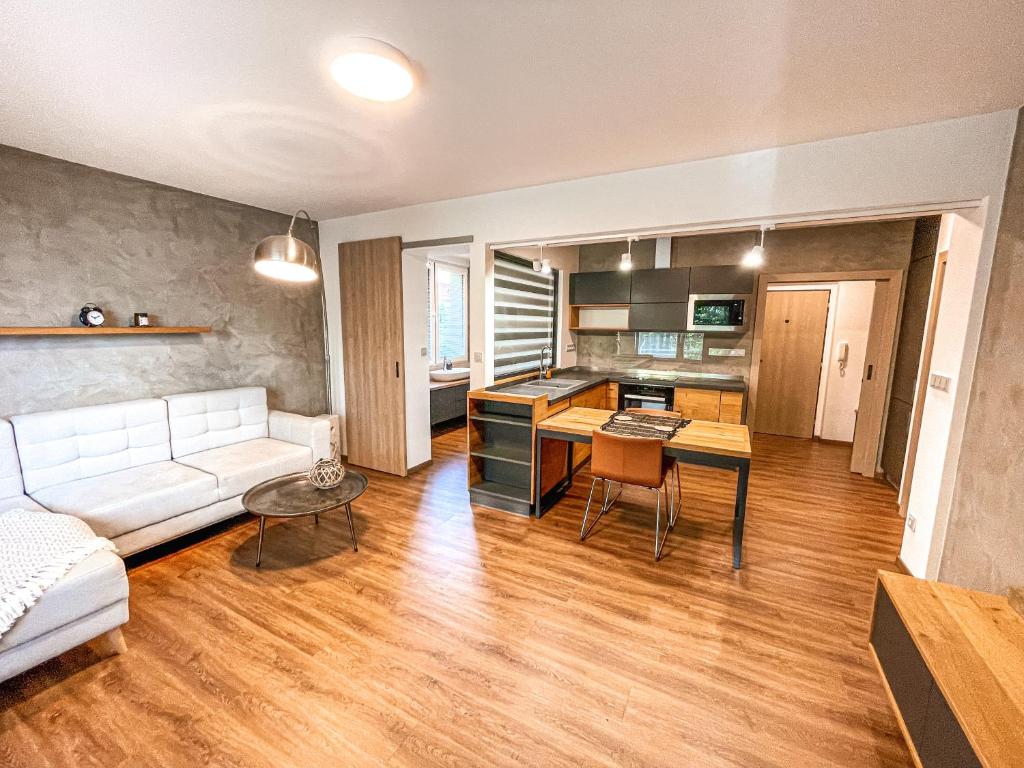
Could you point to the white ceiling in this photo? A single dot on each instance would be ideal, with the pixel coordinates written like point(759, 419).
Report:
point(234, 98)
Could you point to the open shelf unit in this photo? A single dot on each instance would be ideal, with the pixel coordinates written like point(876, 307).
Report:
point(599, 317)
point(500, 454)
point(148, 330)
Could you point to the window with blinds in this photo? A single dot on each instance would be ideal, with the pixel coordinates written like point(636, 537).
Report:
point(525, 315)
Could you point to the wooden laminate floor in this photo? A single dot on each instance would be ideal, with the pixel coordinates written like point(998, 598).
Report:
point(480, 638)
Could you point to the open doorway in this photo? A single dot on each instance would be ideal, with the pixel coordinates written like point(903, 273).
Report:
point(823, 346)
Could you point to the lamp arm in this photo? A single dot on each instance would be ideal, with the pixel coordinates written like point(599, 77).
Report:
point(323, 308)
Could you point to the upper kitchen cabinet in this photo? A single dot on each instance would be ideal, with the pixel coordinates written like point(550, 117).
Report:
point(668, 316)
point(599, 287)
point(660, 286)
point(725, 280)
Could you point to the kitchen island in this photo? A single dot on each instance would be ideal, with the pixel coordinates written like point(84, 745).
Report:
point(502, 421)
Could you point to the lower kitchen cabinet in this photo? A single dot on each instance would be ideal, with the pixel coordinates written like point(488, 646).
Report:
point(591, 398)
point(709, 404)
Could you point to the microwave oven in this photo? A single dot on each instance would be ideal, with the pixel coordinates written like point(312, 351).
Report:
point(719, 312)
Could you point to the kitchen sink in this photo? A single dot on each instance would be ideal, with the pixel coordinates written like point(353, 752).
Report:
point(554, 383)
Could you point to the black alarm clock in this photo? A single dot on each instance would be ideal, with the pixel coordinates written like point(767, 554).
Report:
point(91, 316)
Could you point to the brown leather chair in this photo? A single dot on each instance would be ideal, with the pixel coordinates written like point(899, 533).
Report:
point(678, 415)
point(636, 461)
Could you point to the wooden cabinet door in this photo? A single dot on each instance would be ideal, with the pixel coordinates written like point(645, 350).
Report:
point(374, 353)
point(611, 401)
point(592, 398)
point(791, 348)
point(599, 287)
point(699, 404)
point(732, 408)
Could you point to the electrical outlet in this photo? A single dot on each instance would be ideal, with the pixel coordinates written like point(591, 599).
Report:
point(726, 352)
point(570, 347)
point(911, 522)
point(423, 351)
point(940, 382)
point(478, 357)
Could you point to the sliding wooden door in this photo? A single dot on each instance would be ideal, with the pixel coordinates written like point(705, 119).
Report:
point(374, 349)
point(790, 364)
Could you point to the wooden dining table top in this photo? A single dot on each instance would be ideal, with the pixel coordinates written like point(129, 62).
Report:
point(703, 436)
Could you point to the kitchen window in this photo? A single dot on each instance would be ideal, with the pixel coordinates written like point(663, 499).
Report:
point(447, 314)
point(525, 315)
point(657, 344)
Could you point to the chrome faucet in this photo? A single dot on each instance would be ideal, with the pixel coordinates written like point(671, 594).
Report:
point(545, 368)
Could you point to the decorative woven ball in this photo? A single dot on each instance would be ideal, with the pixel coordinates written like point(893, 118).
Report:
point(326, 473)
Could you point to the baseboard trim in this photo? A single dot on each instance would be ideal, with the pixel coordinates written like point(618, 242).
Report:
point(421, 465)
point(902, 567)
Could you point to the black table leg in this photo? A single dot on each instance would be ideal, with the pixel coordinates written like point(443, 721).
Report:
point(351, 527)
point(259, 543)
point(537, 511)
point(742, 474)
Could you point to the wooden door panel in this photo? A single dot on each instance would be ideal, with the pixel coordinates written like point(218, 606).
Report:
point(374, 353)
point(790, 364)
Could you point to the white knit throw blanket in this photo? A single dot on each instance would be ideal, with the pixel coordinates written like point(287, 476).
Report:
point(36, 550)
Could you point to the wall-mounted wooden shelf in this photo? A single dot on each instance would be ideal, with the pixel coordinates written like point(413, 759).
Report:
point(83, 331)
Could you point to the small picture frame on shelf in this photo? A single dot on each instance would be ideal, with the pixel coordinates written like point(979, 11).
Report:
point(140, 320)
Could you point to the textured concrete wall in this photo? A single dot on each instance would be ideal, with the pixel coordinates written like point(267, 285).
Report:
point(917, 291)
point(867, 246)
point(71, 234)
point(984, 547)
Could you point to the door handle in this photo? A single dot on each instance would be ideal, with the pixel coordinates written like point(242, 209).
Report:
point(397, 375)
point(871, 370)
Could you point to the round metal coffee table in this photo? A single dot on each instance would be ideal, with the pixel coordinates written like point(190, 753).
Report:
point(294, 496)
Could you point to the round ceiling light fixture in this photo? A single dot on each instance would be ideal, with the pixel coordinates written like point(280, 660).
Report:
point(374, 70)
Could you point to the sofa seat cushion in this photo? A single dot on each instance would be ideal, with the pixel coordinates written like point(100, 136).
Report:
point(20, 502)
point(93, 584)
point(119, 502)
point(240, 466)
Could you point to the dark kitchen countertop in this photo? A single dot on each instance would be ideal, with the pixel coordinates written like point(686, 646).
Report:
point(590, 378)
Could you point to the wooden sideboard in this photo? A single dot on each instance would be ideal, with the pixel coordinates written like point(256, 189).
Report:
point(952, 663)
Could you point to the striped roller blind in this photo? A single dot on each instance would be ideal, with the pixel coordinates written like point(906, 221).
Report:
point(525, 312)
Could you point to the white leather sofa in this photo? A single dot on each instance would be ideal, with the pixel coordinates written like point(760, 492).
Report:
point(143, 472)
point(91, 599)
point(140, 473)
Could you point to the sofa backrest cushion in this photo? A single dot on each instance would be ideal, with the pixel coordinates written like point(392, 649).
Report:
point(60, 446)
point(204, 420)
point(10, 468)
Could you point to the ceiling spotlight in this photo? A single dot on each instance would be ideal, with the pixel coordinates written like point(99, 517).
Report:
point(373, 70)
point(626, 259)
point(537, 265)
point(755, 256)
point(545, 266)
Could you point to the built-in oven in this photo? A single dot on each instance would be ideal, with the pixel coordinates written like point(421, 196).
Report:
point(719, 312)
point(658, 397)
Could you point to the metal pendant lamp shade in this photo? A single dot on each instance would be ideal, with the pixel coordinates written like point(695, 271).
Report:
point(284, 257)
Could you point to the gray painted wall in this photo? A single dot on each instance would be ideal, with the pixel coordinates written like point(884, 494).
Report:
point(866, 246)
point(917, 290)
point(984, 546)
point(71, 234)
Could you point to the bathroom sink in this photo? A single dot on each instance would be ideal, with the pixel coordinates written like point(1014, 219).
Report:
point(452, 374)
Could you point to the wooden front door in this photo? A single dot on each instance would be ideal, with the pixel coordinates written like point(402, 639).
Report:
point(374, 351)
point(790, 363)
